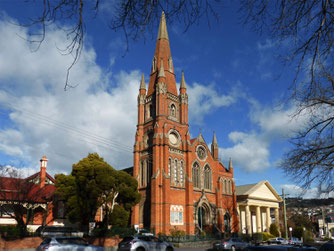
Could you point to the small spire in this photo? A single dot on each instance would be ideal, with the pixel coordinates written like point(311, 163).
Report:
point(230, 166)
point(163, 27)
point(214, 140)
point(183, 83)
point(142, 83)
point(161, 70)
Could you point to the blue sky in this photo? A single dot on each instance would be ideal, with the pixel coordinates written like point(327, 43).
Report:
point(236, 86)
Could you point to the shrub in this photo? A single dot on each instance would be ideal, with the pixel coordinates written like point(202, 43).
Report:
point(257, 237)
point(298, 232)
point(177, 233)
point(308, 236)
point(274, 230)
point(11, 231)
point(266, 236)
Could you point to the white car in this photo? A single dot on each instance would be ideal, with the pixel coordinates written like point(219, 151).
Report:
point(67, 243)
point(278, 240)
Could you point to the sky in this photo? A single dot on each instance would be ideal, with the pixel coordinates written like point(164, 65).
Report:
point(237, 87)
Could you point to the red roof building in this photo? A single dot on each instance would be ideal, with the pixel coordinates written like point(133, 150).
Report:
point(31, 196)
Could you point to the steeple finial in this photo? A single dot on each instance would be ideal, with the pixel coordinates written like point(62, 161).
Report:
point(161, 70)
point(142, 83)
point(214, 140)
point(230, 166)
point(183, 83)
point(163, 27)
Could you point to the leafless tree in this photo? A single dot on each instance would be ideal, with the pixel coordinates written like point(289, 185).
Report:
point(134, 17)
point(305, 31)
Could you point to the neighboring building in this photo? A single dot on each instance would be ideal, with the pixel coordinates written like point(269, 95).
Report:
point(182, 183)
point(328, 228)
point(34, 194)
point(258, 207)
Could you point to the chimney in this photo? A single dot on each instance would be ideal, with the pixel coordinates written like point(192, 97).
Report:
point(42, 176)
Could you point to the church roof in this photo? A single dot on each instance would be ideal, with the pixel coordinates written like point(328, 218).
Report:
point(162, 56)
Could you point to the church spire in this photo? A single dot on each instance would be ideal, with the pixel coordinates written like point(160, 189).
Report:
point(162, 60)
point(162, 33)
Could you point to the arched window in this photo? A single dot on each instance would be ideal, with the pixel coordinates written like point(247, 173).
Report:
point(148, 164)
point(169, 165)
point(229, 187)
point(227, 223)
point(176, 178)
point(151, 111)
point(172, 110)
point(207, 177)
point(196, 176)
point(182, 172)
point(142, 175)
point(225, 186)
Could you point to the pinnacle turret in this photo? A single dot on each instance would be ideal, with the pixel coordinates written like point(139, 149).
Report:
point(161, 70)
point(183, 83)
point(230, 166)
point(142, 83)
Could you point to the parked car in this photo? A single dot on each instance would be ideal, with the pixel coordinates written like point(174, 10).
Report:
point(280, 248)
point(328, 246)
point(67, 243)
point(48, 231)
point(230, 244)
point(295, 241)
point(277, 240)
point(144, 243)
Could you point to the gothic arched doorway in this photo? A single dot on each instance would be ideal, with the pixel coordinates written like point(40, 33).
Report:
point(204, 216)
point(227, 223)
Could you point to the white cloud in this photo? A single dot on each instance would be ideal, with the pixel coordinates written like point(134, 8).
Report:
point(45, 120)
point(250, 151)
point(204, 100)
point(296, 191)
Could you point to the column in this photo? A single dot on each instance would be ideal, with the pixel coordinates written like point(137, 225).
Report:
point(276, 216)
point(248, 220)
point(268, 218)
point(239, 215)
point(258, 219)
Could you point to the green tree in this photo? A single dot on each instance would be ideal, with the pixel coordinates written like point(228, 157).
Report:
point(94, 183)
point(119, 217)
point(273, 229)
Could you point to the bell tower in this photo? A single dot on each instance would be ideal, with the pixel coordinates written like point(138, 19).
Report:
point(162, 133)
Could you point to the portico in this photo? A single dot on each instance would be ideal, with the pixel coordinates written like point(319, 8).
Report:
point(258, 207)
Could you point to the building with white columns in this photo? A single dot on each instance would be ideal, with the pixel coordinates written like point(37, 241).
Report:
point(258, 207)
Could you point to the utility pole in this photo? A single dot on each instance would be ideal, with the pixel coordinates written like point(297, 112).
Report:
point(284, 214)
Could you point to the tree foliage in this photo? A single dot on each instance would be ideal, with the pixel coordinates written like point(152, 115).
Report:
point(273, 229)
point(93, 183)
point(306, 31)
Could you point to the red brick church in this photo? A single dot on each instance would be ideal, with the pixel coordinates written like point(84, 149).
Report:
point(181, 180)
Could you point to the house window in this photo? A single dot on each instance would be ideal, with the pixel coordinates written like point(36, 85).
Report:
point(207, 177)
point(196, 176)
point(176, 215)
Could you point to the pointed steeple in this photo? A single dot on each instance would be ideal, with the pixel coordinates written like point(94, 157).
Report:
point(214, 147)
point(230, 166)
point(142, 83)
point(183, 83)
point(214, 140)
point(162, 51)
point(162, 33)
point(161, 70)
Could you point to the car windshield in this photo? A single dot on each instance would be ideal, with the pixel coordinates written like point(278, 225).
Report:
point(77, 241)
point(127, 239)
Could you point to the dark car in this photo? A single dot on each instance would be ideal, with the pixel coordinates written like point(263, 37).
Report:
point(230, 244)
point(144, 243)
point(67, 243)
point(328, 246)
